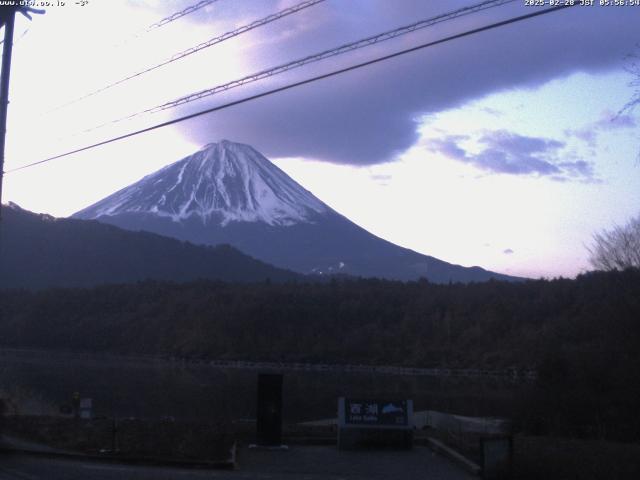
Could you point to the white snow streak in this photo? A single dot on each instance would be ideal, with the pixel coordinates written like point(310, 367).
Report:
point(224, 182)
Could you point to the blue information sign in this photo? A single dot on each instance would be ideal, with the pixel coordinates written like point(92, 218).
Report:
point(376, 412)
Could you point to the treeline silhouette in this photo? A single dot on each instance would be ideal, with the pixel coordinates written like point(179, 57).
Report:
point(582, 335)
point(39, 251)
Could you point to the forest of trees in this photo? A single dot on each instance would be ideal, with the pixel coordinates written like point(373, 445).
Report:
point(582, 335)
point(489, 325)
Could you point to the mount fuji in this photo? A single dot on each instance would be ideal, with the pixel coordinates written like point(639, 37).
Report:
point(228, 193)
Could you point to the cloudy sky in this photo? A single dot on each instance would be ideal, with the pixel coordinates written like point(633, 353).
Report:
point(505, 149)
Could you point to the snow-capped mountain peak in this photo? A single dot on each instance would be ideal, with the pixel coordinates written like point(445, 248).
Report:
point(228, 193)
point(221, 183)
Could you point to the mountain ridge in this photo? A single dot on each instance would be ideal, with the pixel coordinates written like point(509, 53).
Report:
point(229, 193)
point(40, 251)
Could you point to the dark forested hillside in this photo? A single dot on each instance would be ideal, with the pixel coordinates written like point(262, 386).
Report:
point(493, 324)
point(582, 335)
point(39, 251)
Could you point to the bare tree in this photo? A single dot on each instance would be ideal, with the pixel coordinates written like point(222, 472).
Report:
point(618, 248)
point(633, 68)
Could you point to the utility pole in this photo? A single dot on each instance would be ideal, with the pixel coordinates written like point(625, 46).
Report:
point(8, 18)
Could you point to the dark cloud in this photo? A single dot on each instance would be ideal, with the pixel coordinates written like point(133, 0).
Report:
point(519, 144)
point(607, 122)
point(500, 161)
point(370, 115)
point(449, 146)
point(579, 169)
point(513, 154)
point(508, 251)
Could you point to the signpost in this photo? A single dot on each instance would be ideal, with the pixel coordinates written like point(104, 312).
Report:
point(269, 411)
point(376, 413)
point(367, 422)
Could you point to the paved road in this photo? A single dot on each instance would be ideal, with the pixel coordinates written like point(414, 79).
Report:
point(315, 463)
point(21, 467)
point(300, 463)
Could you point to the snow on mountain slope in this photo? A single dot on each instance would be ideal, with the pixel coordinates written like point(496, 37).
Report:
point(229, 193)
point(223, 182)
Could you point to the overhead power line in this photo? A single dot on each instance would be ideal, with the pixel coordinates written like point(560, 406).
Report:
point(348, 47)
point(201, 46)
point(180, 14)
point(307, 81)
point(166, 20)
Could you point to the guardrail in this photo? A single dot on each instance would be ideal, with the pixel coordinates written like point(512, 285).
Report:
point(513, 374)
point(461, 424)
point(481, 445)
